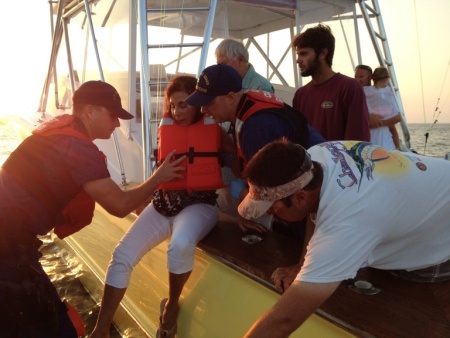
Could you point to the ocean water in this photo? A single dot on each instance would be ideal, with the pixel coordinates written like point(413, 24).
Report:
point(437, 144)
point(9, 140)
point(64, 268)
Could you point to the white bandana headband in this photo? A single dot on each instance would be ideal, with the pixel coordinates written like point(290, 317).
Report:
point(260, 199)
point(280, 191)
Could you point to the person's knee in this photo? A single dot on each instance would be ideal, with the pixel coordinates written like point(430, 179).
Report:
point(181, 247)
point(121, 260)
point(181, 250)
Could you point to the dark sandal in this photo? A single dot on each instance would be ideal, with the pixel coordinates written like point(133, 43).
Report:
point(161, 333)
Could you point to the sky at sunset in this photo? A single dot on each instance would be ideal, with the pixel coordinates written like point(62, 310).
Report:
point(417, 32)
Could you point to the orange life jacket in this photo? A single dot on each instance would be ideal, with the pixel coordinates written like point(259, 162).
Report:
point(76, 319)
point(255, 101)
point(79, 211)
point(200, 141)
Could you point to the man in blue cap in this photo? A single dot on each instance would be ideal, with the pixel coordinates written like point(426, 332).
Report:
point(258, 117)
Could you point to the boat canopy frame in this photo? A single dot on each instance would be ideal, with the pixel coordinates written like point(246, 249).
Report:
point(293, 15)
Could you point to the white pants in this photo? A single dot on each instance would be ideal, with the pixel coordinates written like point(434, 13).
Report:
point(150, 229)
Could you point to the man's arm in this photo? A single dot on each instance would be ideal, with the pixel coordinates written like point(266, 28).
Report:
point(374, 121)
point(299, 301)
point(283, 277)
point(120, 202)
point(391, 121)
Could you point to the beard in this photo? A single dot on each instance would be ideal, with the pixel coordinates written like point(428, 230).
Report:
point(311, 68)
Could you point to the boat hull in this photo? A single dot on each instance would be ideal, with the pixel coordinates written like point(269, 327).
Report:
point(217, 301)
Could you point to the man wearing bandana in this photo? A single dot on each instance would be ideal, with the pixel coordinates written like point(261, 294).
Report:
point(349, 190)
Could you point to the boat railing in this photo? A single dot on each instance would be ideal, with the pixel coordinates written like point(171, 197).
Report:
point(380, 42)
point(146, 71)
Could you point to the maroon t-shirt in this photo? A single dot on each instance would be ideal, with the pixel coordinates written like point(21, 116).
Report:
point(336, 108)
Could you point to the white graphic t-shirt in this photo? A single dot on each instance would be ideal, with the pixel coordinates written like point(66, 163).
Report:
point(387, 210)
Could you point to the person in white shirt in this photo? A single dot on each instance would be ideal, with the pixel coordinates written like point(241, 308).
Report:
point(381, 102)
point(371, 208)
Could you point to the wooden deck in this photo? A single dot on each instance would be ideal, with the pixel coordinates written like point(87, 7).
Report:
point(401, 309)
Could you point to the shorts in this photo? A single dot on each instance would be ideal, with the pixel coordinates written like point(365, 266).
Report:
point(432, 274)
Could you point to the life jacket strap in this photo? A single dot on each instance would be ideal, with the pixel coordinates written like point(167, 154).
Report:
point(191, 154)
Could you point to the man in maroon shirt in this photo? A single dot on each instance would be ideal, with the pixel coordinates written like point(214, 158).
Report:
point(333, 103)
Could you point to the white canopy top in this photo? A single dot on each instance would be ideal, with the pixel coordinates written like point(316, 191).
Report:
point(247, 18)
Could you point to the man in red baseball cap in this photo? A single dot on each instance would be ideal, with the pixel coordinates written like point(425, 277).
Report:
point(99, 93)
point(52, 181)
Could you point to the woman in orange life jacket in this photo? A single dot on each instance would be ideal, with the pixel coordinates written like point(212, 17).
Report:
point(184, 215)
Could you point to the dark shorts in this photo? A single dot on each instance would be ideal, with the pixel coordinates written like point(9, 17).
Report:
point(432, 274)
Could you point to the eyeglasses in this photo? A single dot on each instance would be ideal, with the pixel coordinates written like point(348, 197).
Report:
point(364, 67)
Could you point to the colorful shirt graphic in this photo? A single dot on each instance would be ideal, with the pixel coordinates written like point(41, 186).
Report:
point(378, 208)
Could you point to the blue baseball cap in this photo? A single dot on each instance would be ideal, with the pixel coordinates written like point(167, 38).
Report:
point(215, 81)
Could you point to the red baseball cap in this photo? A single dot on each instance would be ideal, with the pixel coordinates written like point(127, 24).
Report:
point(100, 93)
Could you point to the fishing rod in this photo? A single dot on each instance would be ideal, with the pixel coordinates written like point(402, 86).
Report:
point(437, 110)
point(427, 133)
